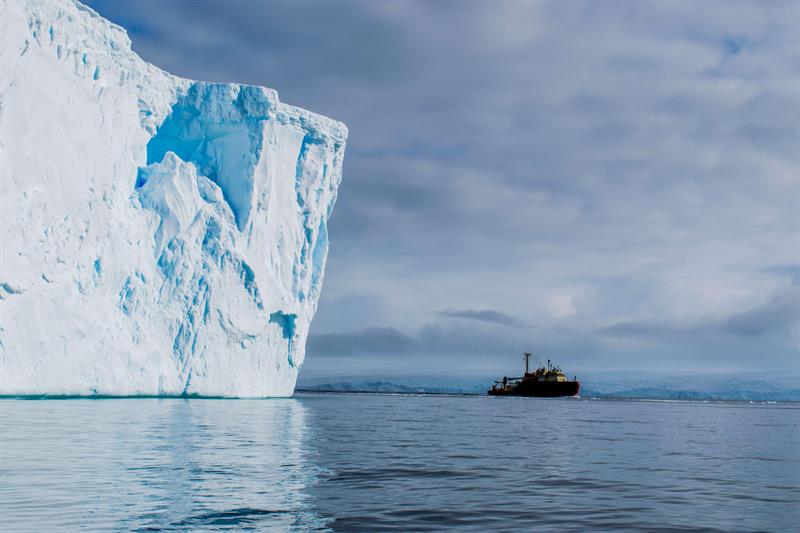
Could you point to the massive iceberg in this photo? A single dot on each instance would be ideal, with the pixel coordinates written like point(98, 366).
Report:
point(160, 236)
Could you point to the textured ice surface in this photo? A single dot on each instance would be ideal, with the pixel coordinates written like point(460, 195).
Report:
point(159, 236)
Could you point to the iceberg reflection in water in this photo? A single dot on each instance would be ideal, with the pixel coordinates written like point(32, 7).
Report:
point(111, 465)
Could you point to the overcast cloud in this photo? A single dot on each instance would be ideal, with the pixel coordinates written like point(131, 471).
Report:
point(625, 176)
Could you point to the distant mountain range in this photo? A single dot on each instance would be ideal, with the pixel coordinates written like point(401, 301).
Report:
point(703, 387)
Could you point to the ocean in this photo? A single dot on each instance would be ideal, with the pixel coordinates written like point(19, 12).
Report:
point(382, 462)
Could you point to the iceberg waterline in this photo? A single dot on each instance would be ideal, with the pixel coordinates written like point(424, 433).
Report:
point(160, 236)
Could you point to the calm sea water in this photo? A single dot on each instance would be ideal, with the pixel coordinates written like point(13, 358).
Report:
point(361, 462)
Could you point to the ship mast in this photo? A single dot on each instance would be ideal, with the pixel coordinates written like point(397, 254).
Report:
point(527, 361)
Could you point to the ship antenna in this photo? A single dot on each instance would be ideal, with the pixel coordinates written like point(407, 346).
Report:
point(527, 359)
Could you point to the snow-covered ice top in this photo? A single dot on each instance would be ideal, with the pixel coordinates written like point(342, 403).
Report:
point(160, 236)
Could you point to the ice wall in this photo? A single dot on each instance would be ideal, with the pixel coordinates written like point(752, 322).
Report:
point(159, 236)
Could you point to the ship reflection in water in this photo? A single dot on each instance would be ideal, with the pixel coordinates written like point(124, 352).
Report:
point(544, 382)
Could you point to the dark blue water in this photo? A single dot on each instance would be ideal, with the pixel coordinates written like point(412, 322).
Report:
point(355, 462)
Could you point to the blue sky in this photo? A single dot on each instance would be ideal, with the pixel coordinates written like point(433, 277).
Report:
point(613, 185)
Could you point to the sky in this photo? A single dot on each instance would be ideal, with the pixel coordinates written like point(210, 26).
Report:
point(615, 186)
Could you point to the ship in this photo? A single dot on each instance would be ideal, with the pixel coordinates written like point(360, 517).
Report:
point(544, 382)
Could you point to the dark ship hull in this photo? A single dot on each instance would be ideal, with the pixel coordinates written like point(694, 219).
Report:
point(539, 389)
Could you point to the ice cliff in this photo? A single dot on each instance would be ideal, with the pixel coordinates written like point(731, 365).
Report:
point(159, 236)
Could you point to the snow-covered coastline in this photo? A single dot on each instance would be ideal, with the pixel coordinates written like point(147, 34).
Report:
point(768, 388)
point(160, 236)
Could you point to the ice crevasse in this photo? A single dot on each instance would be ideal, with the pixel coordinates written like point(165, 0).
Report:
point(160, 236)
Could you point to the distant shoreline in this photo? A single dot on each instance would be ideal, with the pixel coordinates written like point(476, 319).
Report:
point(598, 397)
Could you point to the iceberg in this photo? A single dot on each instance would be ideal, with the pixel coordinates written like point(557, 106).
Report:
point(160, 236)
